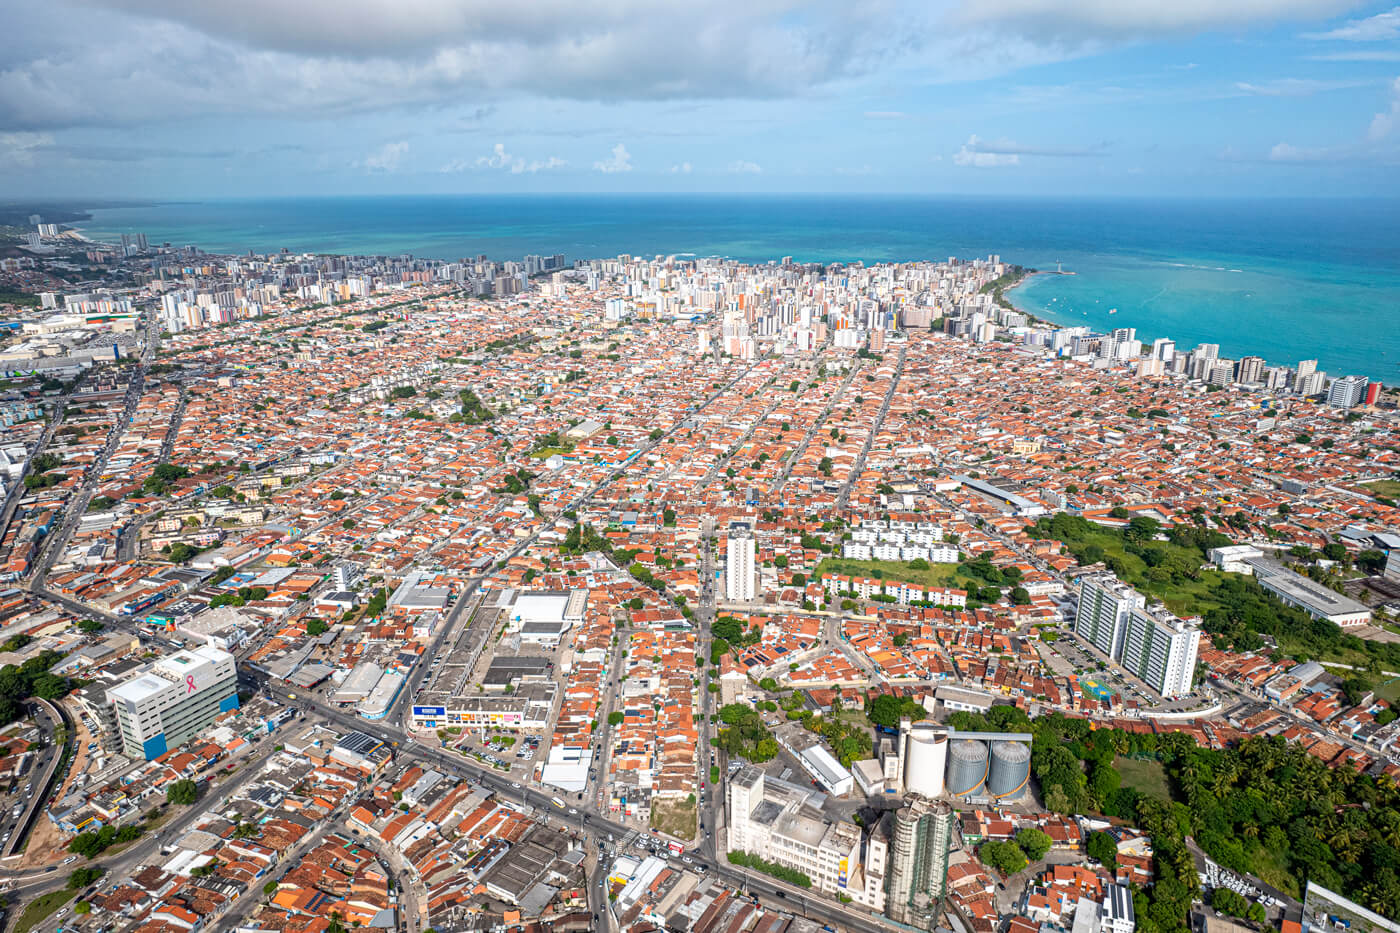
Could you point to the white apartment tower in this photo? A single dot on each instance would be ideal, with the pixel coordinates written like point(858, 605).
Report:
point(739, 571)
point(1104, 606)
point(1161, 650)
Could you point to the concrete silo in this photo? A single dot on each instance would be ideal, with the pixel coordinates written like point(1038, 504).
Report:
point(925, 759)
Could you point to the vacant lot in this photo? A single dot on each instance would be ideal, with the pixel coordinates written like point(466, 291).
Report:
point(1146, 777)
point(935, 575)
point(674, 817)
point(1390, 488)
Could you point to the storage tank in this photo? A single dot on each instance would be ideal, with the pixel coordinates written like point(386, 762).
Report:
point(967, 767)
point(1009, 770)
point(925, 760)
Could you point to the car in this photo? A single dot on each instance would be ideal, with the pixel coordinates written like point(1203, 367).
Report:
point(515, 784)
point(69, 860)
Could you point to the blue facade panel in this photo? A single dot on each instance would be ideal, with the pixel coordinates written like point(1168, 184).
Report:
point(154, 747)
point(229, 702)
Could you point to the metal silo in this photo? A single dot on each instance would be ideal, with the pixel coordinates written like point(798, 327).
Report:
point(967, 767)
point(1009, 770)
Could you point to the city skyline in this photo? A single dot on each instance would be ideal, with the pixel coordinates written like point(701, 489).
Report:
point(144, 99)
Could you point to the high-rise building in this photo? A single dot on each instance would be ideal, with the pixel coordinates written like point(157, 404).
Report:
point(1161, 650)
point(1346, 392)
point(1251, 369)
point(167, 703)
point(1306, 368)
point(1311, 384)
point(1373, 393)
point(917, 866)
point(739, 564)
point(1220, 372)
point(1163, 348)
point(1104, 606)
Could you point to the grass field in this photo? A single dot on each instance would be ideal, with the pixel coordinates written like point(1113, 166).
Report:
point(675, 817)
point(41, 908)
point(1146, 777)
point(1389, 691)
point(1390, 488)
point(1190, 597)
point(935, 575)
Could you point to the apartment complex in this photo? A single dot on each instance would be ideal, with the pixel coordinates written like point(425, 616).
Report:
point(162, 706)
point(1161, 650)
point(1105, 603)
point(1150, 643)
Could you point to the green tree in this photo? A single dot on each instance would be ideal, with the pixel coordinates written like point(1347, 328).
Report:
point(1034, 843)
point(1005, 857)
point(182, 793)
point(1101, 848)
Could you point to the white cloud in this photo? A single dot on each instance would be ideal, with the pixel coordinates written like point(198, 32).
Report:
point(501, 159)
point(986, 153)
point(387, 158)
point(21, 148)
point(1376, 28)
point(975, 159)
point(619, 161)
point(1358, 55)
point(745, 167)
point(1383, 123)
point(1285, 152)
point(1296, 87)
point(1077, 20)
point(681, 168)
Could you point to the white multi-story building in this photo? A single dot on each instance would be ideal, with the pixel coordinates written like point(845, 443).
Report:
point(1347, 391)
point(1104, 606)
point(167, 703)
point(739, 568)
point(778, 822)
point(1161, 650)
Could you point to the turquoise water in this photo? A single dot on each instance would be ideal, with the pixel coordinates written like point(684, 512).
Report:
point(1285, 280)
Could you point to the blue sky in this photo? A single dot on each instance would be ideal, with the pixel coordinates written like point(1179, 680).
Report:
point(161, 99)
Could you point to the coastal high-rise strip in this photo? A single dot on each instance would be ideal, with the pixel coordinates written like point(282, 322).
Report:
point(917, 870)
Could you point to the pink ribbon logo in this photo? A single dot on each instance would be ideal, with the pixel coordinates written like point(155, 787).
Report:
point(189, 682)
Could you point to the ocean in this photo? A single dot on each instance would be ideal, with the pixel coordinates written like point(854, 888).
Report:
point(1282, 279)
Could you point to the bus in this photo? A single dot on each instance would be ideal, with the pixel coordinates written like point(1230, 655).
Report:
point(557, 802)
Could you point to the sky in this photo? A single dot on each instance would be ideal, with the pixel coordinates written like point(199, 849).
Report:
point(151, 99)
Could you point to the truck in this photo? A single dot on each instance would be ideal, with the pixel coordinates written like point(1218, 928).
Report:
point(557, 802)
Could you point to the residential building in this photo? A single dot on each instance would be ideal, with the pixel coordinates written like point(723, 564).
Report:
point(1104, 606)
point(1161, 650)
point(917, 868)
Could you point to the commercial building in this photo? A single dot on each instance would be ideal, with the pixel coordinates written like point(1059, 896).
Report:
point(1161, 650)
point(739, 564)
point(1313, 598)
point(781, 823)
point(917, 870)
point(1104, 606)
point(167, 703)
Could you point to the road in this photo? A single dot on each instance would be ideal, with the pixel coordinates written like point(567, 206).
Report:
point(17, 828)
point(859, 465)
